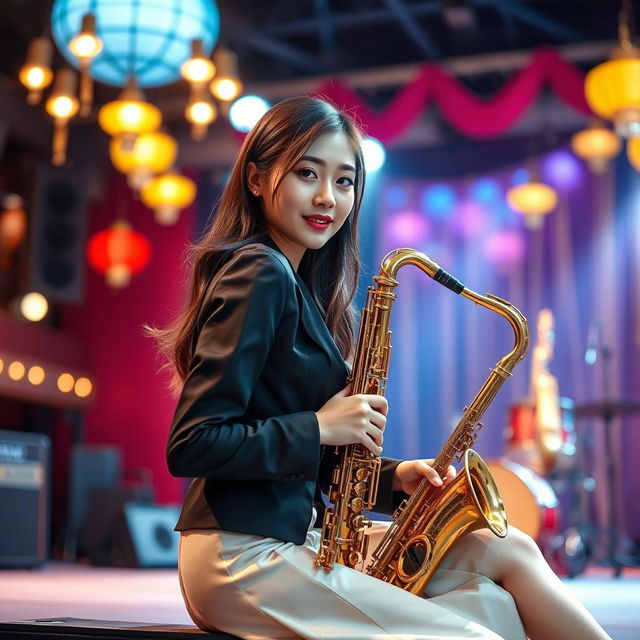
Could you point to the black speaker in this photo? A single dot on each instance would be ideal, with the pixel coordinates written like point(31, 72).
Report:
point(24, 498)
point(145, 538)
point(103, 526)
point(58, 233)
point(91, 467)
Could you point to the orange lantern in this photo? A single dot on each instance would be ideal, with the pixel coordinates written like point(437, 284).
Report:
point(633, 152)
point(533, 200)
point(596, 145)
point(118, 252)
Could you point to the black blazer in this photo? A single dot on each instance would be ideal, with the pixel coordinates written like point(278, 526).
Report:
point(245, 426)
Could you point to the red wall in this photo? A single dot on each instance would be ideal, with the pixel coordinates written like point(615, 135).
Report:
point(133, 406)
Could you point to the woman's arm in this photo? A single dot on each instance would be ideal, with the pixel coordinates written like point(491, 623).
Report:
point(238, 322)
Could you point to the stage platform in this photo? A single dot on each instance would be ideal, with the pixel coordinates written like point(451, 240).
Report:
point(76, 602)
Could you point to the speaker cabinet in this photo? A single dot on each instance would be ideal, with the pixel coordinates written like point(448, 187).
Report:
point(24, 498)
point(58, 234)
point(145, 538)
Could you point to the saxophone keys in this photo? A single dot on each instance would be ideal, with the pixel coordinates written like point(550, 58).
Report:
point(359, 489)
point(362, 473)
point(357, 504)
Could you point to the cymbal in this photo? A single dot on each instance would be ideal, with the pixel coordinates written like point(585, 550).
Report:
point(607, 407)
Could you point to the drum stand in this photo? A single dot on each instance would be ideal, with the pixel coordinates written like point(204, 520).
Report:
point(614, 539)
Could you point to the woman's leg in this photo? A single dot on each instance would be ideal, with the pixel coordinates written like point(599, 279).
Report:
point(549, 611)
point(261, 589)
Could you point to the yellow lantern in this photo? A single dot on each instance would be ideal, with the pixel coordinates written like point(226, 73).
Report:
point(225, 86)
point(36, 73)
point(596, 145)
point(62, 105)
point(533, 200)
point(129, 116)
point(152, 153)
point(167, 195)
point(612, 88)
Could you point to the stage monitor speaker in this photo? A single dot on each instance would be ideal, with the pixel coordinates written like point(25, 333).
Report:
point(58, 231)
point(146, 537)
point(24, 498)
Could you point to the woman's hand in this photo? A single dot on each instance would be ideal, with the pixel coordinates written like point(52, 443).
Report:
point(409, 474)
point(358, 419)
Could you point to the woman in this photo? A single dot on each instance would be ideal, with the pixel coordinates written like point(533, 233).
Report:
point(259, 358)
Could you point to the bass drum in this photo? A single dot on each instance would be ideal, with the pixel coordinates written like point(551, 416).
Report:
point(530, 501)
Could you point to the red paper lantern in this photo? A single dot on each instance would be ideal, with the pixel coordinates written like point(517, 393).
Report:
point(13, 225)
point(119, 253)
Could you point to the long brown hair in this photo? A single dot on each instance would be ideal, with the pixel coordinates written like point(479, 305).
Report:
point(278, 140)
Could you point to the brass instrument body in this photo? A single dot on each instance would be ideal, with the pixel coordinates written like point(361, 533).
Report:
point(427, 524)
point(356, 471)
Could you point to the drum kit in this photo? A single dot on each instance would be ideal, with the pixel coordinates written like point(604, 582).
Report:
point(552, 502)
point(544, 476)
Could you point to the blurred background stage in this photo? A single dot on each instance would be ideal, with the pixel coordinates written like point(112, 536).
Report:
point(504, 143)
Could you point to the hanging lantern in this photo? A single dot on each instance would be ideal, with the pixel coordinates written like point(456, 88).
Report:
point(633, 152)
point(152, 153)
point(533, 200)
point(226, 85)
point(612, 88)
point(129, 116)
point(198, 69)
point(149, 39)
point(119, 253)
point(13, 225)
point(62, 105)
point(86, 46)
point(596, 145)
point(36, 72)
point(167, 195)
point(200, 112)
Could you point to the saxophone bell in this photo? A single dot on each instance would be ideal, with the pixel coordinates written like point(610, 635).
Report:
point(472, 501)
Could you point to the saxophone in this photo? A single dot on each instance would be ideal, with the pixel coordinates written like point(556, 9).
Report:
point(432, 519)
point(355, 473)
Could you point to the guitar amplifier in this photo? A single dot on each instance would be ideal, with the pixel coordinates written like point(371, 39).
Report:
point(24, 498)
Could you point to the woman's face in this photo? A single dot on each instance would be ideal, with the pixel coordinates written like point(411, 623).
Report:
point(314, 198)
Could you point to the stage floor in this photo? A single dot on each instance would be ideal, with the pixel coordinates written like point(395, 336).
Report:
point(153, 596)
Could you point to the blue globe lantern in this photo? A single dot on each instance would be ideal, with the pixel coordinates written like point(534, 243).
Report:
point(148, 39)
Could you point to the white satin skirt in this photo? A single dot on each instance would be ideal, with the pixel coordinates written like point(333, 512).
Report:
point(266, 589)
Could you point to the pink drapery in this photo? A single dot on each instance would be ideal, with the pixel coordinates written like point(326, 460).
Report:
point(471, 116)
point(463, 110)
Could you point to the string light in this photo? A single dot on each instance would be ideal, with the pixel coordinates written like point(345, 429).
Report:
point(62, 105)
point(86, 46)
point(36, 73)
point(200, 112)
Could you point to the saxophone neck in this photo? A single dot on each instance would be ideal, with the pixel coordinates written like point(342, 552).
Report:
point(518, 323)
point(399, 258)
